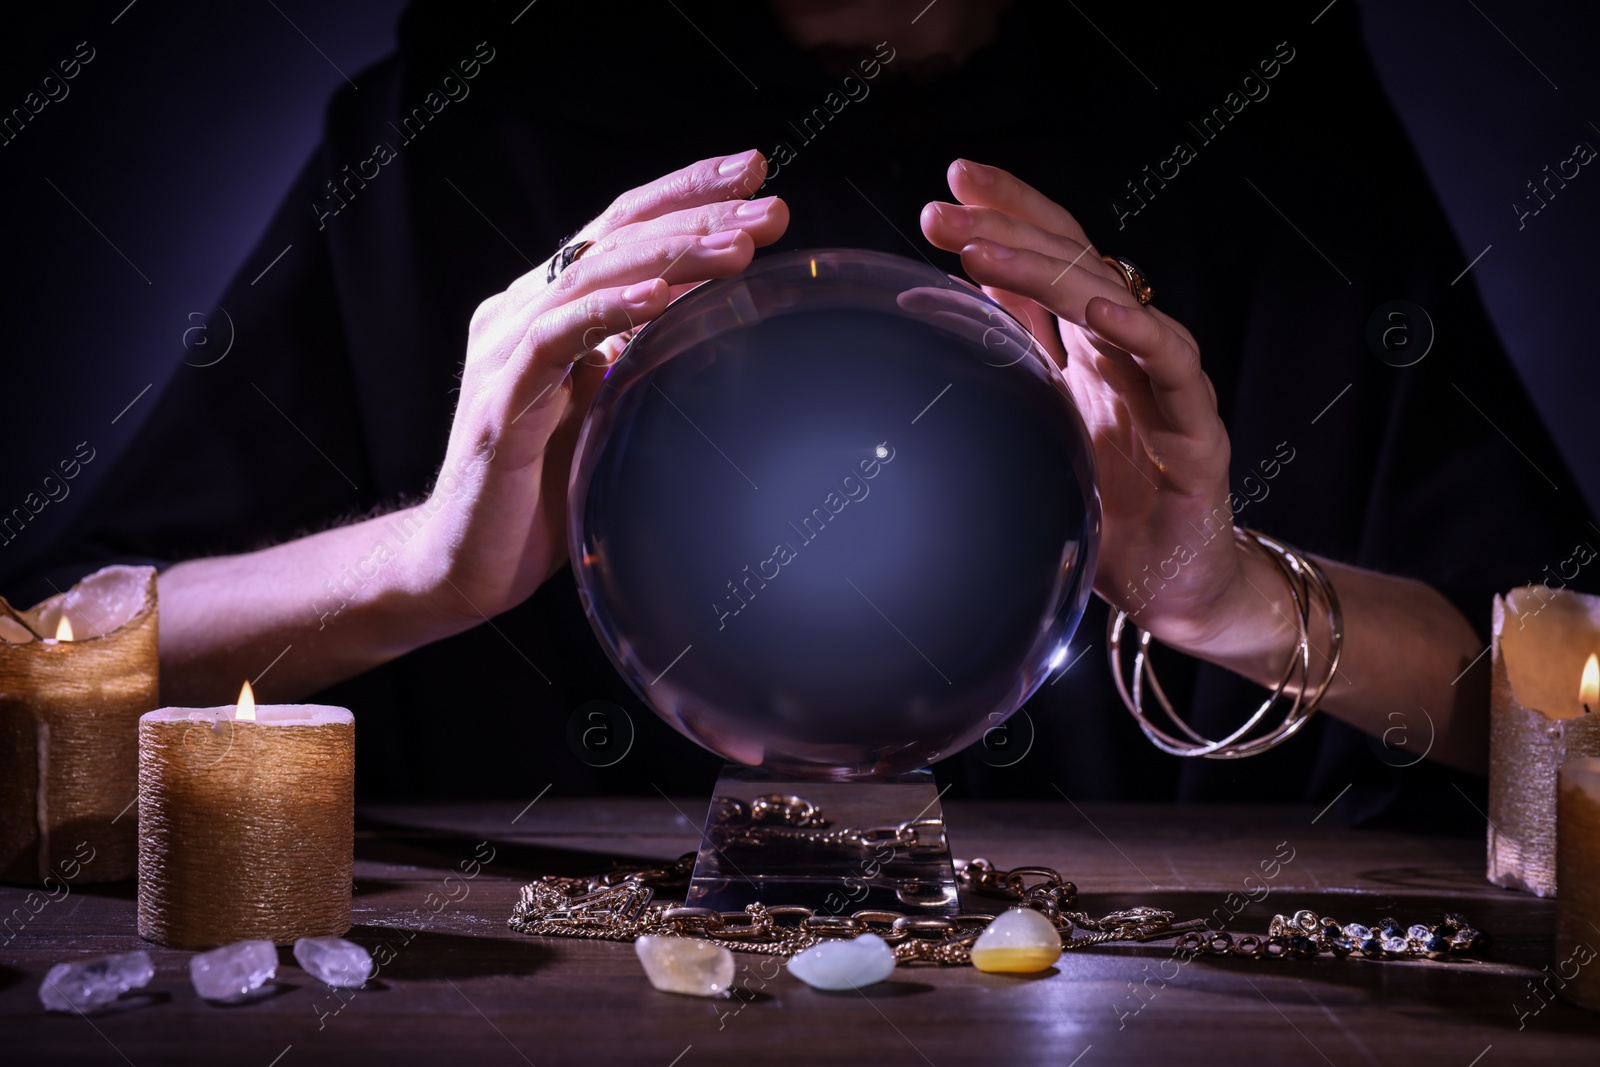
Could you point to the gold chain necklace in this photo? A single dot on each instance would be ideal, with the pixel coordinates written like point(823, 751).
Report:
point(620, 905)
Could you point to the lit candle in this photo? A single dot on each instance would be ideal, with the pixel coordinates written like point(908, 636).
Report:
point(69, 710)
point(1544, 640)
point(246, 822)
point(1578, 872)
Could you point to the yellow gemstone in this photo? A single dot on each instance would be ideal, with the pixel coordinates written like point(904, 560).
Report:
point(685, 965)
point(1020, 941)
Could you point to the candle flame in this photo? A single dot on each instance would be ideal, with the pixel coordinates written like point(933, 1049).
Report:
point(64, 630)
point(813, 268)
point(246, 708)
point(1589, 688)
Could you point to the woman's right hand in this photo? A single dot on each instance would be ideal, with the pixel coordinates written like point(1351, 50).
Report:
point(494, 527)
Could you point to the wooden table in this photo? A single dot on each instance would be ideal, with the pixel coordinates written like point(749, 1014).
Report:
point(465, 990)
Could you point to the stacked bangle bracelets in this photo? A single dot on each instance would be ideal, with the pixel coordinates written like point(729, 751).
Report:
point(1307, 582)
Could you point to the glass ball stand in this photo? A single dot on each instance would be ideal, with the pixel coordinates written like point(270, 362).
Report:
point(833, 847)
point(833, 520)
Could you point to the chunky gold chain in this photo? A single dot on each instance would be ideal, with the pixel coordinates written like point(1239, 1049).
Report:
point(784, 817)
point(620, 905)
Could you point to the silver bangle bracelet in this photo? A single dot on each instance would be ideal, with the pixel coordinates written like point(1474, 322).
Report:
point(1307, 582)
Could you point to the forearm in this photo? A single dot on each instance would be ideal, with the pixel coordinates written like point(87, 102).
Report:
point(316, 611)
point(1405, 646)
point(494, 528)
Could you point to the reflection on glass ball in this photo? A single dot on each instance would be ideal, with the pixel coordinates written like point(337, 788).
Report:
point(836, 516)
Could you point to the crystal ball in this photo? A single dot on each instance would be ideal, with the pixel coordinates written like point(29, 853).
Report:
point(835, 516)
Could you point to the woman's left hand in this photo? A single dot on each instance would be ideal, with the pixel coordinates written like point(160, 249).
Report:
point(1167, 550)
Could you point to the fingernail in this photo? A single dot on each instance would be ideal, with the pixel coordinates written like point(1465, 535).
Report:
point(753, 209)
point(735, 164)
point(639, 292)
point(957, 217)
point(979, 173)
point(1117, 312)
point(990, 249)
point(719, 241)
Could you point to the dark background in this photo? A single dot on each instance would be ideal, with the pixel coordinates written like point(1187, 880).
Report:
point(131, 202)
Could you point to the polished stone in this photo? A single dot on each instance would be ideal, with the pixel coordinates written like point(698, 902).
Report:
point(866, 960)
point(85, 984)
point(1020, 941)
point(234, 972)
point(339, 963)
point(685, 965)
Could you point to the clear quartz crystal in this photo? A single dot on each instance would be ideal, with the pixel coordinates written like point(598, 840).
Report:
point(863, 961)
point(340, 963)
point(84, 984)
point(1357, 933)
point(1418, 932)
point(684, 965)
point(234, 971)
point(1395, 944)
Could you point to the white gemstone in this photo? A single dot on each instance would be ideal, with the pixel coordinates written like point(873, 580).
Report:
point(84, 984)
point(844, 964)
point(234, 971)
point(1419, 933)
point(685, 965)
point(336, 961)
point(1019, 941)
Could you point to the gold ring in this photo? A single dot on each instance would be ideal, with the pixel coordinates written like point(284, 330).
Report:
point(565, 258)
point(1138, 284)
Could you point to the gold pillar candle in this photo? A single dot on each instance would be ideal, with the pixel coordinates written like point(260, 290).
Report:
point(1578, 874)
point(76, 672)
point(1542, 641)
point(246, 823)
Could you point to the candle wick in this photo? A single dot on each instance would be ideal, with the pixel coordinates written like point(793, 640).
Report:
point(1587, 710)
